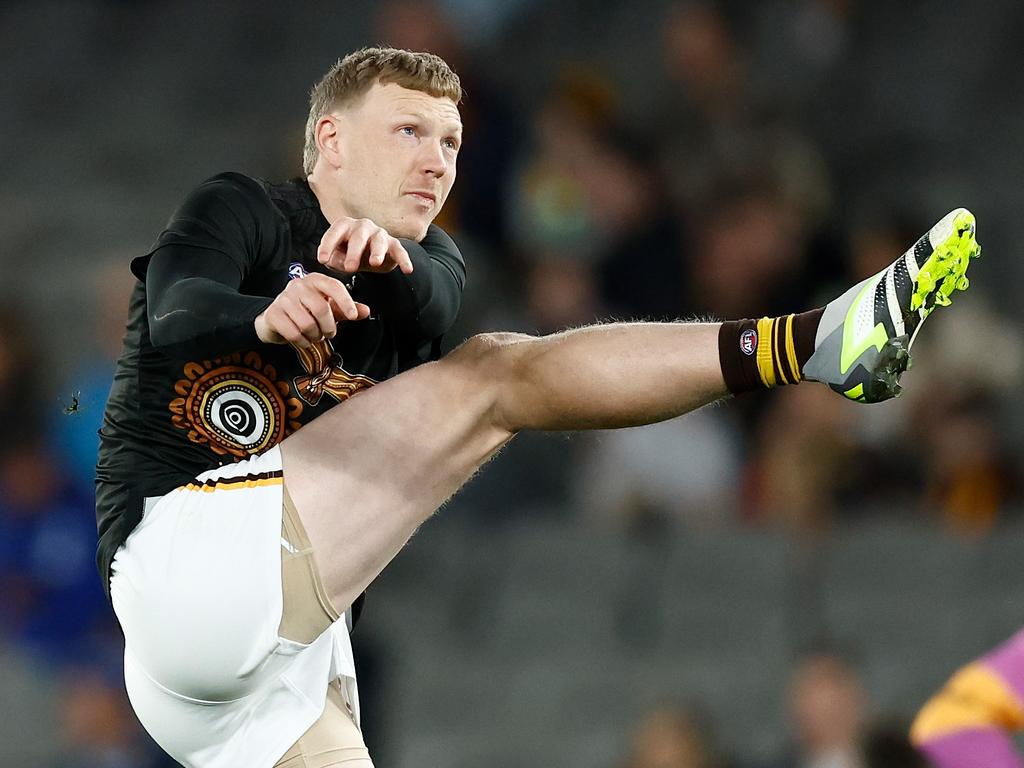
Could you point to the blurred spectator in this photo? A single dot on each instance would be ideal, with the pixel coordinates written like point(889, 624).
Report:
point(750, 255)
point(98, 727)
point(683, 471)
point(560, 294)
point(827, 711)
point(88, 382)
point(875, 242)
point(971, 476)
point(796, 47)
point(53, 601)
point(550, 206)
point(886, 745)
point(671, 737)
point(51, 596)
point(718, 130)
point(801, 460)
point(21, 392)
point(641, 267)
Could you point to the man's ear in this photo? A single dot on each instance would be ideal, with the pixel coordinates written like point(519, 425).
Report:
point(328, 140)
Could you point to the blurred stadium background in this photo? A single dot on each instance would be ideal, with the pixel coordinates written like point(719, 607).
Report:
point(778, 581)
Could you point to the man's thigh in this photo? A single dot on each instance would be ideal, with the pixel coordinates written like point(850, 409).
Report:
point(368, 472)
point(230, 640)
point(335, 738)
point(306, 610)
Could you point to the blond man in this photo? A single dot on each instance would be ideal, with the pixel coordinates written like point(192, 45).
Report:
point(241, 513)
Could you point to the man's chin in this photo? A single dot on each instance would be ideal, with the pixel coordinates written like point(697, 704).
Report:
point(408, 230)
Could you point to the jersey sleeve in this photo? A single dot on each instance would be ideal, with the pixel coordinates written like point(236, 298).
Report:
point(423, 305)
point(220, 234)
point(970, 721)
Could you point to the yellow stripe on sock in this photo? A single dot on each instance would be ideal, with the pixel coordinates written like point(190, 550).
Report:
point(975, 697)
point(777, 350)
point(765, 366)
point(791, 351)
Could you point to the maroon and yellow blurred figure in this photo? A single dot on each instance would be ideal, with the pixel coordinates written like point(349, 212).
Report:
point(970, 723)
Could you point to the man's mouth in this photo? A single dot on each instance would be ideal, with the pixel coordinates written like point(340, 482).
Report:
point(427, 198)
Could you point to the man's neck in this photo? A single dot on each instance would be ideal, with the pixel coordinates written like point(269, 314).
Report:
point(331, 207)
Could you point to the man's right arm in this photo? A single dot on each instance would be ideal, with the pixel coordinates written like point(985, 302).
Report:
point(194, 273)
point(226, 229)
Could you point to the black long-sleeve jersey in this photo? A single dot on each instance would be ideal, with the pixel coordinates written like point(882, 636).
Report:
point(195, 388)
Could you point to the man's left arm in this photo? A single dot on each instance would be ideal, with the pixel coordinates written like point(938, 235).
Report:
point(424, 304)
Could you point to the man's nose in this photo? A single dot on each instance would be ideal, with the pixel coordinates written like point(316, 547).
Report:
point(433, 160)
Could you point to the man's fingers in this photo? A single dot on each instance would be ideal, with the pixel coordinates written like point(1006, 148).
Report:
point(400, 256)
point(379, 247)
point(308, 311)
point(332, 240)
point(304, 321)
point(358, 241)
point(356, 245)
point(343, 305)
point(279, 322)
point(319, 306)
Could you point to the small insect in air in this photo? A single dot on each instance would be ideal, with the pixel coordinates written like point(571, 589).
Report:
point(72, 407)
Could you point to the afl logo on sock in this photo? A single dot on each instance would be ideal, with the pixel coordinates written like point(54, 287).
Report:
point(748, 341)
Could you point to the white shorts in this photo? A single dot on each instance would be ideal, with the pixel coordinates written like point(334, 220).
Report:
point(197, 589)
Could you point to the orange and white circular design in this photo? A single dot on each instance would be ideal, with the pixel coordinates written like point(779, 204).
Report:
point(234, 405)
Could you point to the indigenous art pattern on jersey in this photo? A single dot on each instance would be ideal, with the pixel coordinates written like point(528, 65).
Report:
point(235, 405)
point(325, 374)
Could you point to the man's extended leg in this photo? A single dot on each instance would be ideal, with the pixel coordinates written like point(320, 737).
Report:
point(365, 475)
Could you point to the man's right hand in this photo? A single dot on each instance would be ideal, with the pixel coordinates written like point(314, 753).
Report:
point(308, 310)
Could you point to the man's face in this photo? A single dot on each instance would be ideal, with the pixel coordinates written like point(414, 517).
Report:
point(398, 149)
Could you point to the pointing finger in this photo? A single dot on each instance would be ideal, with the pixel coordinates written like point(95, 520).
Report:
point(357, 244)
point(400, 256)
point(330, 243)
point(332, 289)
point(378, 245)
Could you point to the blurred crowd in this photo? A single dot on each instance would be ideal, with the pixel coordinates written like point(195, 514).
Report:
point(708, 190)
point(828, 714)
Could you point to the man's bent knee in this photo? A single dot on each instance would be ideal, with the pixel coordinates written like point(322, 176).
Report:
point(489, 348)
point(493, 362)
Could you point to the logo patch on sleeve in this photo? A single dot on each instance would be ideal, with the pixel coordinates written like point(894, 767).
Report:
point(748, 341)
point(296, 270)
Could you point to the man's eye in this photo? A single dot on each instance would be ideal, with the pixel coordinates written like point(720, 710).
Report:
point(451, 144)
point(408, 130)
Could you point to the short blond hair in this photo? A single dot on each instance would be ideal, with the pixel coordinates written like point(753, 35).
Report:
point(354, 75)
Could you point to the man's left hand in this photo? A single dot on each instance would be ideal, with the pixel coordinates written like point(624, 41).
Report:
point(359, 245)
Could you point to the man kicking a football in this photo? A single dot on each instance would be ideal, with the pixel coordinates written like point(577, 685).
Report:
point(242, 513)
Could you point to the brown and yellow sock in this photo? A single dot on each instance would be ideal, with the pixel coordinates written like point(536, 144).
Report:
point(765, 353)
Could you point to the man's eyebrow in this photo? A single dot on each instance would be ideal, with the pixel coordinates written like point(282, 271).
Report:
point(451, 124)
